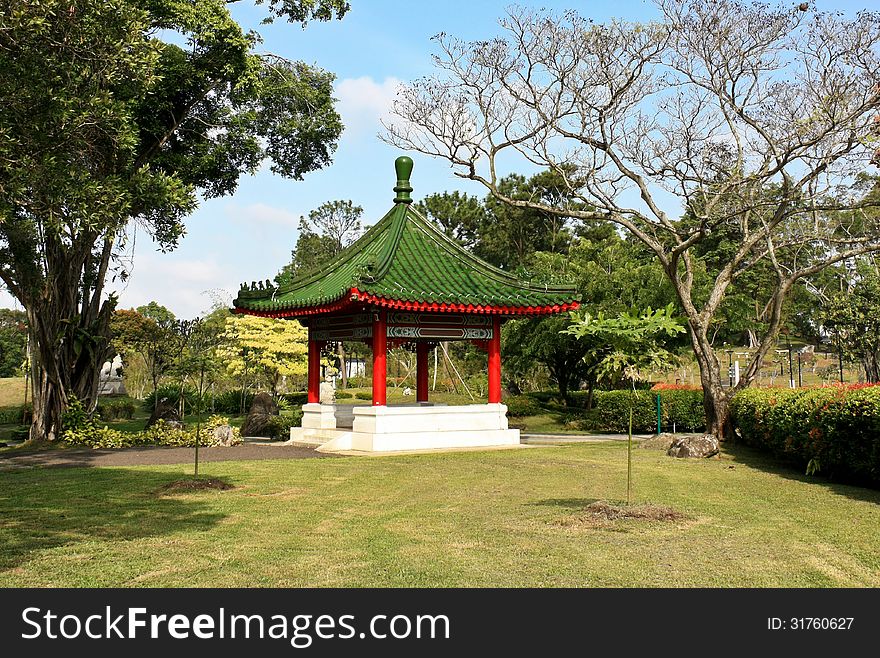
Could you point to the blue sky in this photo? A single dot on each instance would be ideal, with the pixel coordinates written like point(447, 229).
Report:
point(379, 44)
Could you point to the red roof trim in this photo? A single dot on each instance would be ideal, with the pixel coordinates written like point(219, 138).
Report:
point(357, 298)
point(463, 308)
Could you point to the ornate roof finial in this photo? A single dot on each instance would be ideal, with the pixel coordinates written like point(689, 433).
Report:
point(403, 166)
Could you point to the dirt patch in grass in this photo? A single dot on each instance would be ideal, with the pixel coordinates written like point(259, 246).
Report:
point(194, 484)
point(601, 514)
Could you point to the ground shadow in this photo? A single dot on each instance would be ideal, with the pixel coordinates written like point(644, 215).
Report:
point(42, 509)
point(770, 464)
point(567, 503)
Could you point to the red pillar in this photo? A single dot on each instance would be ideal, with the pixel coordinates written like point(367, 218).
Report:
point(421, 372)
point(314, 371)
point(495, 362)
point(379, 359)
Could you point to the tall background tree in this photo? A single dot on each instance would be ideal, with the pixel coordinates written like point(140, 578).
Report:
point(13, 341)
point(755, 120)
point(104, 124)
point(329, 228)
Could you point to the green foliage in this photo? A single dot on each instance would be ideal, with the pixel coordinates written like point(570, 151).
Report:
point(171, 393)
point(13, 341)
point(330, 228)
point(460, 216)
point(115, 409)
point(636, 338)
point(105, 124)
point(853, 318)
point(522, 405)
point(610, 411)
point(279, 426)
point(79, 428)
point(532, 341)
point(10, 415)
point(296, 400)
point(229, 402)
point(343, 395)
point(84, 431)
point(363, 395)
point(835, 430)
point(267, 346)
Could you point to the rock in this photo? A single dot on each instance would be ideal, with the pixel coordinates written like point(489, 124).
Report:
point(659, 441)
point(694, 446)
point(224, 436)
point(165, 411)
point(259, 419)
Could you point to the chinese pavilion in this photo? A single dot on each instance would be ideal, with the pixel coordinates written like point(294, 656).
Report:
point(404, 282)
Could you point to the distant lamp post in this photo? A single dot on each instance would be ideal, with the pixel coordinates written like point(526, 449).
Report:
point(800, 375)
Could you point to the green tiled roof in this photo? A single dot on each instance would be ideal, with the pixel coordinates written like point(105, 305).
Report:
point(404, 258)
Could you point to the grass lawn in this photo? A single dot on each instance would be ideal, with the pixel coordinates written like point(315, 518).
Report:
point(489, 518)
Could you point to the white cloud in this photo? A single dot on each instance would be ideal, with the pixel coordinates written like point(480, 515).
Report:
point(177, 283)
point(363, 102)
point(260, 213)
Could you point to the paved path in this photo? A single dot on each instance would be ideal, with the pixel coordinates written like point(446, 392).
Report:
point(556, 439)
point(151, 455)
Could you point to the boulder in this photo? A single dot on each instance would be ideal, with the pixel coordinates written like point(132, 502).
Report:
point(694, 446)
point(659, 441)
point(224, 436)
point(166, 411)
point(259, 418)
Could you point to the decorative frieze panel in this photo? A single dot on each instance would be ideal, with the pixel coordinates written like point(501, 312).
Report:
point(435, 319)
point(441, 333)
point(342, 320)
point(342, 333)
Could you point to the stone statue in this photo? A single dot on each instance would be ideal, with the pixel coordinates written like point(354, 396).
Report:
point(328, 387)
point(110, 382)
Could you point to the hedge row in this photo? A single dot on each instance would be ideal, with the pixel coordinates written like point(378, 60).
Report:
point(833, 430)
point(610, 413)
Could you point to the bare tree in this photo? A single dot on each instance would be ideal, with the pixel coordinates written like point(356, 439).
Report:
point(754, 120)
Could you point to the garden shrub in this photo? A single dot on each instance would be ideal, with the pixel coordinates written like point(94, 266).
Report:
point(171, 392)
point(684, 407)
point(12, 415)
point(280, 425)
point(364, 395)
point(229, 402)
point(297, 399)
point(80, 428)
point(522, 405)
point(342, 395)
point(833, 430)
point(115, 409)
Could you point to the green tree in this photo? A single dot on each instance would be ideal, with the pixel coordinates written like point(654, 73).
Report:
point(853, 319)
point(460, 216)
point(271, 347)
point(329, 228)
point(509, 235)
point(756, 119)
point(13, 341)
point(150, 332)
point(104, 124)
point(636, 342)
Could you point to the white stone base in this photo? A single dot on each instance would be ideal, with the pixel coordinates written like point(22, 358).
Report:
point(420, 426)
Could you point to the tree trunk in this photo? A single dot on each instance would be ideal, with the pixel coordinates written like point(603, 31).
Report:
point(69, 348)
point(343, 371)
point(715, 398)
